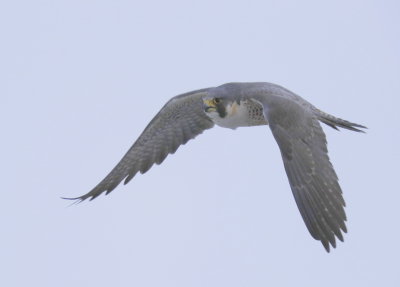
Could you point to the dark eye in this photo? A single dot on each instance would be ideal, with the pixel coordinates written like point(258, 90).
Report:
point(217, 100)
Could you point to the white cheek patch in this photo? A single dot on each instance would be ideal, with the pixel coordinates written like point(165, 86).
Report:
point(213, 115)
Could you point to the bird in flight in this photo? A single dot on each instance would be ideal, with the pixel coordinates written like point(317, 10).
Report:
point(294, 123)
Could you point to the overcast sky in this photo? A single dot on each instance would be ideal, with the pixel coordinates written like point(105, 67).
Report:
point(79, 81)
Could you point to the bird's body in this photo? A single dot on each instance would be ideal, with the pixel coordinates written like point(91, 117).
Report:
point(294, 123)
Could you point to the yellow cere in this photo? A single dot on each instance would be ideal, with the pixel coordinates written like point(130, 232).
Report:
point(209, 102)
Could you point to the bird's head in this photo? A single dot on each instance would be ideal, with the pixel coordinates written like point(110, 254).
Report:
point(226, 112)
point(215, 107)
point(223, 102)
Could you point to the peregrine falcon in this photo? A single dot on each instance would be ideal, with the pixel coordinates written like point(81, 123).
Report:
point(294, 123)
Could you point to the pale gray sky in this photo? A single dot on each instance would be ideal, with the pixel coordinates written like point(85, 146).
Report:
point(79, 80)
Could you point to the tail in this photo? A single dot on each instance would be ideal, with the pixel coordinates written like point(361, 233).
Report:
point(334, 122)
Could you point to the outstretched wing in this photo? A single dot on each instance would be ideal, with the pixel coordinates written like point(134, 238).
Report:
point(180, 120)
point(312, 178)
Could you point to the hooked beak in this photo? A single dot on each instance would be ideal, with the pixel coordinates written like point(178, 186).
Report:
point(209, 105)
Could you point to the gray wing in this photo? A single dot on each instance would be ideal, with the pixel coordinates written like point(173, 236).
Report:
point(180, 120)
point(312, 178)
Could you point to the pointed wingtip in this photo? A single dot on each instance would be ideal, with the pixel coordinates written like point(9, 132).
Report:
point(76, 200)
point(89, 196)
point(326, 246)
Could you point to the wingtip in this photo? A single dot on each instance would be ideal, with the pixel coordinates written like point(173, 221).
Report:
point(326, 246)
point(76, 200)
point(79, 199)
